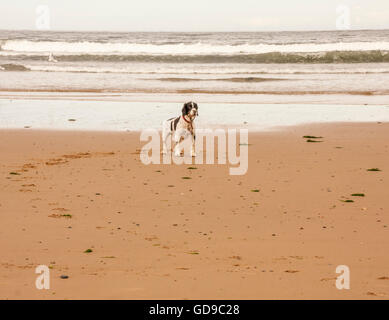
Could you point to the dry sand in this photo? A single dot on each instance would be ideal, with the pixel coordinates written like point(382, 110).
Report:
point(155, 235)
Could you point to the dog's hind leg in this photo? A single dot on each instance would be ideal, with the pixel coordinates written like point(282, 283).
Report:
point(165, 135)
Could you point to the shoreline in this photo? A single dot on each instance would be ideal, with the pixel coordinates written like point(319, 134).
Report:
point(154, 235)
point(260, 99)
point(194, 91)
point(251, 131)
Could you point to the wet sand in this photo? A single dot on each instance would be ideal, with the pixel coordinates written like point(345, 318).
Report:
point(155, 235)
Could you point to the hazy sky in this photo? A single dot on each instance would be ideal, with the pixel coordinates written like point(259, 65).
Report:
point(194, 15)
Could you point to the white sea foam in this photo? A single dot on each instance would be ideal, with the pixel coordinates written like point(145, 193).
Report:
point(60, 47)
point(214, 69)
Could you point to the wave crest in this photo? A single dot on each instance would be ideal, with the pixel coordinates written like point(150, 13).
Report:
point(87, 47)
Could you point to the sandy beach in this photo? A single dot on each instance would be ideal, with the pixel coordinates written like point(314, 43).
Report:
point(278, 232)
point(96, 205)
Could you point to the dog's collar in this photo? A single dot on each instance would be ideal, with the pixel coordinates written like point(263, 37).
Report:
point(183, 117)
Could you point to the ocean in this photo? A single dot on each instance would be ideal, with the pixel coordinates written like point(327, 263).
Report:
point(275, 67)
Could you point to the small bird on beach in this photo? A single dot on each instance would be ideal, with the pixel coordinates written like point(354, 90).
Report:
point(51, 58)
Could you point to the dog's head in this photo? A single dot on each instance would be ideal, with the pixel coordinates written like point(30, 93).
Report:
point(190, 109)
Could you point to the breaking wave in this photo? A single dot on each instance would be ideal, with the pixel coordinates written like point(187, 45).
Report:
point(87, 47)
point(273, 57)
point(177, 69)
point(339, 52)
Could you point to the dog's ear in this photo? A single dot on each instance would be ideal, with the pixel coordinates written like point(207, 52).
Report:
point(197, 108)
point(185, 109)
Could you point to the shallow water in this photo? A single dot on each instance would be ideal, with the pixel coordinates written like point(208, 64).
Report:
point(134, 116)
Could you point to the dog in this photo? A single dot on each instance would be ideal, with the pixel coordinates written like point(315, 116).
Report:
point(179, 128)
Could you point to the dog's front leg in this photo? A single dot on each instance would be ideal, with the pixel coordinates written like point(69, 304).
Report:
point(192, 151)
point(177, 144)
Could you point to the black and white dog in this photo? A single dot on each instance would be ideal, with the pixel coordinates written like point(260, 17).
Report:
point(180, 127)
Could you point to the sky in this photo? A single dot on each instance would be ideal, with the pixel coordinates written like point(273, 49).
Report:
point(194, 15)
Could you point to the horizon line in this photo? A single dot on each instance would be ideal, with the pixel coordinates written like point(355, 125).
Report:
point(209, 31)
